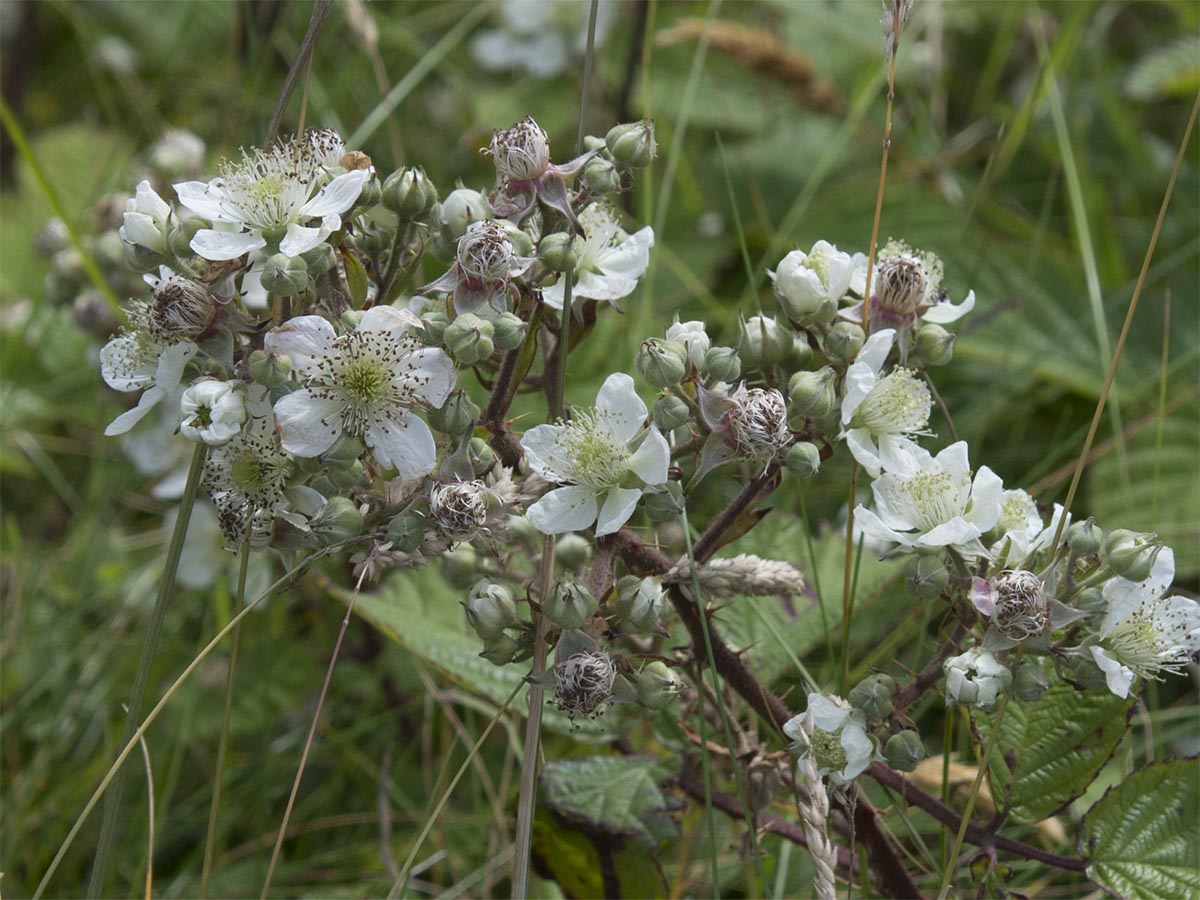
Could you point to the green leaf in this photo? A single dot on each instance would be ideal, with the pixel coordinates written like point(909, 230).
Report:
point(1049, 751)
point(616, 795)
point(590, 865)
point(356, 277)
point(1143, 836)
point(419, 611)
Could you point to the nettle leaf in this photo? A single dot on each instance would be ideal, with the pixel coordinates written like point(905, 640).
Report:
point(1050, 750)
point(614, 795)
point(420, 612)
point(1143, 836)
point(593, 865)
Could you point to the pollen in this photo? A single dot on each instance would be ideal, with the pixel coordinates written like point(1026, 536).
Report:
point(365, 380)
point(898, 404)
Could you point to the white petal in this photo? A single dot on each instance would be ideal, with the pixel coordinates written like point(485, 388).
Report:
point(222, 245)
point(543, 452)
point(308, 424)
point(116, 359)
point(619, 505)
point(623, 409)
point(552, 294)
point(202, 199)
point(254, 295)
point(128, 419)
point(958, 532)
point(954, 459)
point(870, 525)
point(862, 448)
point(899, 454)
point(602, 286)
point(300, 239)
point(405, 443)
point(941, 313)
point(146, 200)
point(140, 229)
point(827, 715)
point(171, 363)
point(859, 751)
point(565, 509)
point(431, 374)
point(1118, 677)
point(652, 459)
point(306, 340)
point(1124, 596)
point(875, 351)
point(986, 491)
point(388, 320)
point(337, 196)
point(631, 257)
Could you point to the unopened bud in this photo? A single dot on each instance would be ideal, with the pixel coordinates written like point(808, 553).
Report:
point(460, 208)
point(456, 416)
point(406, 533)
point(346, 450)
point(559, 251)
point(844, 340)
point(569, 605)
point(904, 750)
point(1030, 683)
point(798, 354)
point(469, 339)
point(934, 346)
point(1090, 600)
point(352, 318)
point(1085, 538)
point(490, 609)
point(657, 685)
point(600, 177)
point(572, 552)
point(180, 237)
point(320, 259)
point(409, 193)
point(508, 331)
point(670, 412)
point(480, 455)
point(722, 364)
point(662, 363)
point(285, 276)
point(500, 650)
point(270, 368)
point(461, 566)
point(435, 321)
point(522, 243)
point(632, 145)
point(340, 520)
point(1131, 554)
point(813, 394)
point(762, 343)
point(803, 459)
point(975, 678)
point(926, 577)
point(873, 695)
point(371, 193)
point(640, 603)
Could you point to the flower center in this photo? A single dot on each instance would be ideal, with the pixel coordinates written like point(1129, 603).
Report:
point(596, 459)
point(365, 380)
point(247, 473)
point(902, 285)
point(898, 404)
point(1016, 510)
point(827, 750)
point(933, 498)
point(202, 417)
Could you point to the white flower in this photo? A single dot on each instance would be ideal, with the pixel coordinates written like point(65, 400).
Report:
point(365, 383)
point(975, 677)
point(135, 361)
point(936, 505)
point(595, 454)
point(540, 37)
point(881, 414)
point(693, 336)
point(834, 736)
point(269, 196)
point(147, 219)
point(1023, 531)
point(610, 261)
point(810, 285)
point(1144, 632)
point(212, 412)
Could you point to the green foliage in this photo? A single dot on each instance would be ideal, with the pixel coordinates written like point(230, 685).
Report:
point(594, 865)
point(610, 794)
point(1050, 750)
point(1143, 837)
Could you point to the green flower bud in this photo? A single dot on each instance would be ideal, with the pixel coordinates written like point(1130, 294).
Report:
point(435, 321)
point(572, 552)
point(873, 695)
point(519, 238)
point(180, 238)
point(657, 685)
point(480, 455)
point(813, 394)
point(508, 331)
point(670, 412)
point(351, 318)
point(285, 276)
point(762, 343)
point(345, 477)
point(559, 251)
point(461, 566)
point(662, 363)
point(139, 257)
point(926, 577)
point(346, 451)
point(338, 521)
point(600, 177)
point(904, 751)
point(569, 605)
point(109, 250)
point(640, 603)
point(1090, 600)
point(592, 142)
point(1085, 538)
point(500, 650)
point(798, 355)
point(1131, 554)
point(1030, 683)
point(844, 340)
point(406, 533)
point(369, 196)
point(934, 346)
point(632, 145)
point(320, 259)
point(460, 208)
point(490, 609)
point(722, 364)
point(409, 193)
point(803, 459)
point(665, 505)
point(469, 339)
point(457, 415)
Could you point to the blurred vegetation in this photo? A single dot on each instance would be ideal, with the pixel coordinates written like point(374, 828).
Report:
point(1048, 225)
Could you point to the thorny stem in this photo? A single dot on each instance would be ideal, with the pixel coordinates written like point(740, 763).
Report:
point(312, 731)
point(141, 679)
point(223, 742)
